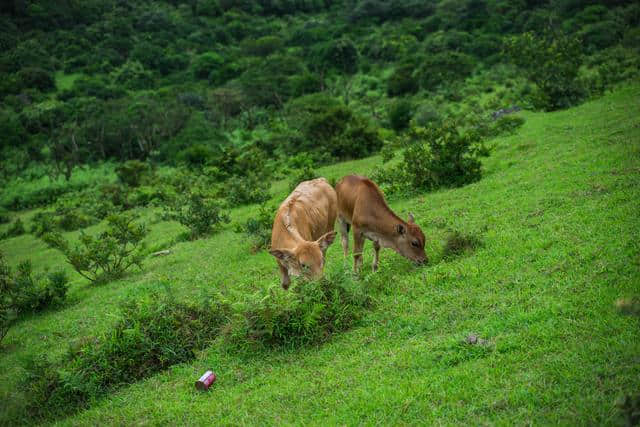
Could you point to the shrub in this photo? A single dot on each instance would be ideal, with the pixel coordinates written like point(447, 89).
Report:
point(507, 125)
point(436, 157)
point(203, 216)
point(258, 228)
point(151, 335)
point(132, 75)
point(246, 190)
point(552, 63)
point(33, 294)
point(37, 78)
point(132, 172)
point(22, 293)
point(400, 114)
point(108, 255)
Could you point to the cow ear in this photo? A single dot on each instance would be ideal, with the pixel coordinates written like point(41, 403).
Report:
point(400, 229)
point(411, 219)
point(282, 254)
point(325, 241)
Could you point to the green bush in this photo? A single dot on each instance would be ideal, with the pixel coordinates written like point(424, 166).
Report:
point(551, 62)
point(436, 157)
point(202, 215)
point(108, 255)
point(400, 114)
point(33, 294)
point(258, 228)
point(264, 46)
point(22, 293)
point(151, 335)
point(244, 190)
point(38, 78)
point(4, 216)
point(132, 172)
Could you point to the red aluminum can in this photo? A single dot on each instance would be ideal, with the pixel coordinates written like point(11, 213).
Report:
point(206, 380)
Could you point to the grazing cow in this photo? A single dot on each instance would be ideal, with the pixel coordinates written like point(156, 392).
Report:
point(303, 230)
point(361, 205)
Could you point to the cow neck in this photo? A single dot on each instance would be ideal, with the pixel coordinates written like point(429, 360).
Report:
point(389, 220)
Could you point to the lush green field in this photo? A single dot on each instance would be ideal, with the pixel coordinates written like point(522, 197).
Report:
point(557, 214)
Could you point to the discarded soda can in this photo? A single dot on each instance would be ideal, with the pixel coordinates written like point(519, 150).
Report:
point(206, 380)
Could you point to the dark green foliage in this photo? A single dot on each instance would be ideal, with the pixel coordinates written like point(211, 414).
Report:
point(340, 55)
point(244, 190)
point(400, 113)
point(92, 86)
point(33, 294)
point(107, 255)
point(258, 229)
point(133, 172)
point(132, 75)
point(202, 215)
point(264, 46)
point(444, 68)
point(205, 64)
point(151, 335)
point(402, 81)
point(551, 62)
point(37, 78)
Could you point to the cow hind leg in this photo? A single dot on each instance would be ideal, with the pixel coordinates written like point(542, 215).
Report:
point(344, 235)
point(358, 247)
point(376, 248)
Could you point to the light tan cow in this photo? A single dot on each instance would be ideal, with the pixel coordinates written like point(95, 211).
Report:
point(303, 229)
point(362, 206)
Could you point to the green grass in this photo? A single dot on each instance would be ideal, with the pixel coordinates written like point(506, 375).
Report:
point(557, 216)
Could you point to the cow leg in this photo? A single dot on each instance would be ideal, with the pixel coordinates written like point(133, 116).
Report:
point(344, 235)
point(376, 248)
point(358, 247)
point(284, 276)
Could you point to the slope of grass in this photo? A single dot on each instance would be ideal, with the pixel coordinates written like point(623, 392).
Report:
point(557, 216)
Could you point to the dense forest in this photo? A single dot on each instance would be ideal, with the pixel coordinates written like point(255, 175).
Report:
point(241, 92)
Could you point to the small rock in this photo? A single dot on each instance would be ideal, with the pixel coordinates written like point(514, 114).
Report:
point(472, 339)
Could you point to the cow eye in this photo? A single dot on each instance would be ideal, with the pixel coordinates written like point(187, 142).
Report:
point(415, 244)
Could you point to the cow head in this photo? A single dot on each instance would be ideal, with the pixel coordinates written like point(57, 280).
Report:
point(409, 241)
point(306, 259)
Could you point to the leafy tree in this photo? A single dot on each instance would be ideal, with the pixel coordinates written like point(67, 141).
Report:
point(108, 255)
point(552, 63)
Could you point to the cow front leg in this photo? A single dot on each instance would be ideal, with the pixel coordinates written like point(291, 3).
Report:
point(285, 281)
point(344, 235)
point(358, 247)
point(376, 249)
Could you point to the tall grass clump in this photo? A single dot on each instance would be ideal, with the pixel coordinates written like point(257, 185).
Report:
point(309, 312)
point(151, 334)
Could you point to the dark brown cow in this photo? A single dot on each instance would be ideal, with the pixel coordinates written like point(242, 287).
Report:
point(303, 229)
point(361, 205)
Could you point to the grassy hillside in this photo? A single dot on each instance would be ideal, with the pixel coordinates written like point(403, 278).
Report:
point(557, 217)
